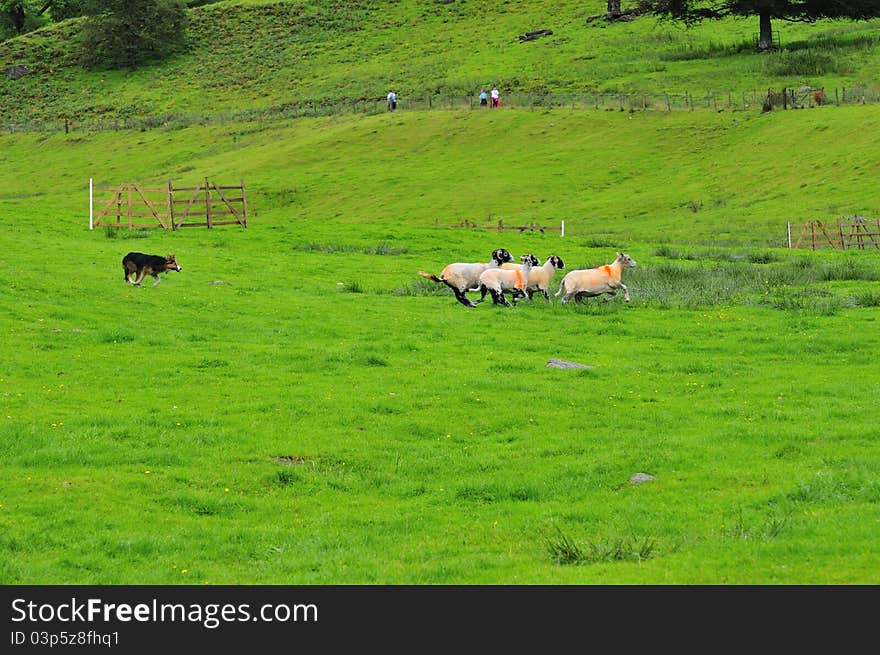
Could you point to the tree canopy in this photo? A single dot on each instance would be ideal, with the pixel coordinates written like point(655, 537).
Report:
point(127, 33)
point(807, 11)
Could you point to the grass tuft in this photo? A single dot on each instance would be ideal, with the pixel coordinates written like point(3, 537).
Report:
point(766, 529)
point(122, 233)
point(421, 287)
point(564, 551)
point(353, 286)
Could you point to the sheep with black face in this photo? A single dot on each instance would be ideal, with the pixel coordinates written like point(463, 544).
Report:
point(540, 276)
point(462, 277)
point(498, 280)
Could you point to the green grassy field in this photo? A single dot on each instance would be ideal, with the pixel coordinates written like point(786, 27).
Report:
point(299, 406)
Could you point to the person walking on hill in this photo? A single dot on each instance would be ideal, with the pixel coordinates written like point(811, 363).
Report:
point(392, 101)
point(496, 97)
point(483, 98)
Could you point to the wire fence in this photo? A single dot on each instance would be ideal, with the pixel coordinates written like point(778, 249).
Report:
point(754, 100)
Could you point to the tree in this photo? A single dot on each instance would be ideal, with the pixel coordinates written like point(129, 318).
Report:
point(128, 33)
point(13, 16)
point(64, 9)
point(802, 11)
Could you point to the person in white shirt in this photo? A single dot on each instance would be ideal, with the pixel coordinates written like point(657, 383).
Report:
point(392, 101)
point(496, 101)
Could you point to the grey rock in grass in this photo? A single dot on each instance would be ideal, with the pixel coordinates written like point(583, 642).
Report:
point(638, 478)
point(561, 363)
point(17, 71)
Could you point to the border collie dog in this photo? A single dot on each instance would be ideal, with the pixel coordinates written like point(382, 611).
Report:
point(140, 265)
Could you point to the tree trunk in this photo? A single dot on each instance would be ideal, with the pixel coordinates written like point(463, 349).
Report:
point(16, 14)
point(613, 7)
point(765, 40)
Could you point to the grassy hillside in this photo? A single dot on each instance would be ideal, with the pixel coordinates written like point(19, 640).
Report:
point(710, 178)
point(294, 54)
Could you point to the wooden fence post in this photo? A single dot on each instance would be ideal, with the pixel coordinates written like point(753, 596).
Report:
point(243, 205)
point(788, 230)
point(129, 206)
point(208, 203)
point(170, 194)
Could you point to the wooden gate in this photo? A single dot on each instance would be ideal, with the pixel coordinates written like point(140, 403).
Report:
point(208, 201)
point(850, 233)
point(128, 204)
point(205, 205)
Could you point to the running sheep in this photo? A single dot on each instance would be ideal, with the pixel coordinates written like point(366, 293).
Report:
point(585, 283)
point(498, 280)
point(462, 277)
point(540, 276)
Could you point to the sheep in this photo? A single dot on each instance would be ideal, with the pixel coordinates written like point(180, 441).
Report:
point(539, 277)
point(596, 281)
point(498, 280)
point(463, 277)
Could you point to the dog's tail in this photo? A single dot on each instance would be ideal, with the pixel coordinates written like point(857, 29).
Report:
point(430, 276)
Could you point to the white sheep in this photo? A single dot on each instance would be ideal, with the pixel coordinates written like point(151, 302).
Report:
point(498, 280)
point(589, 282)
point(462, 277)
point(540, 276)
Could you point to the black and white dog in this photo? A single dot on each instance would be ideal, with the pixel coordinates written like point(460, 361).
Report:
point(139, 264)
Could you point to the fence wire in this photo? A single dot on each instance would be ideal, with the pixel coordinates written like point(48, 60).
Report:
point(805, 97)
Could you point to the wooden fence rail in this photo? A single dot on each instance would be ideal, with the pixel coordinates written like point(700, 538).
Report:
point(500, 226)
point(850, 233)
point(170, 207)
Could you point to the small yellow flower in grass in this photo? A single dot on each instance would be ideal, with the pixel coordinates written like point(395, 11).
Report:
point(183, 571)
point(146, 472)
point(226, 490)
